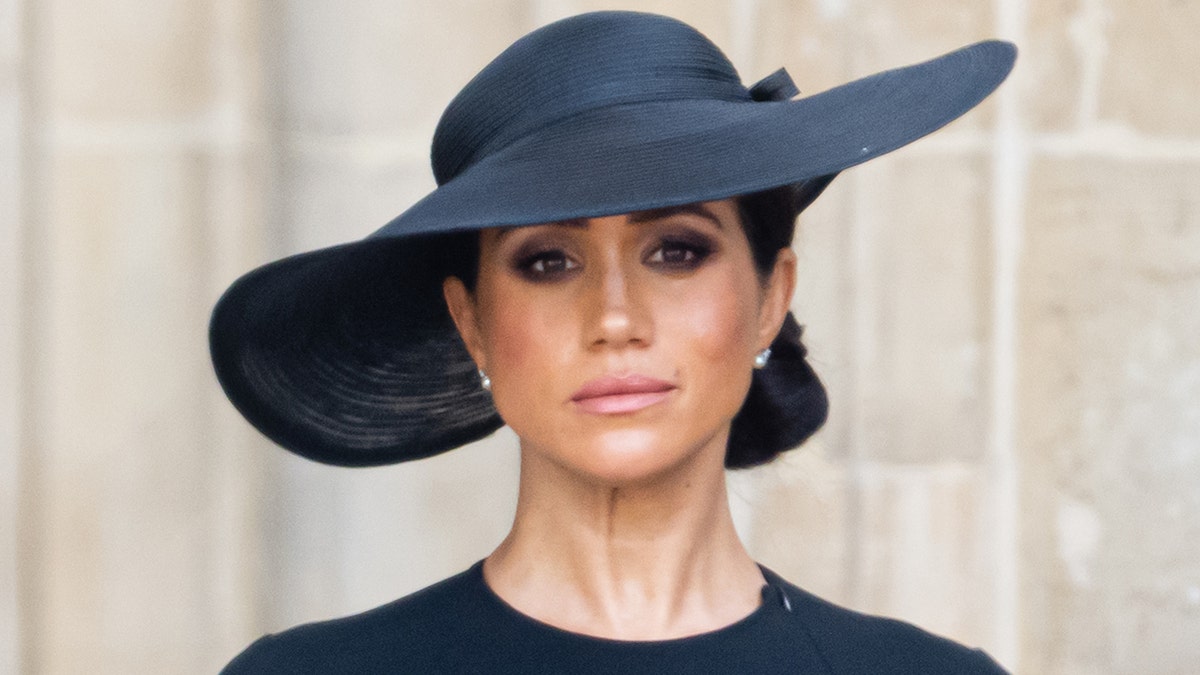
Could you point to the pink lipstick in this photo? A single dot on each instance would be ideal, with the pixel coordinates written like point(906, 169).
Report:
point(612, 395)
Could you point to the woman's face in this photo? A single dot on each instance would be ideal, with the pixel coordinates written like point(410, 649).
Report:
point(621, 347)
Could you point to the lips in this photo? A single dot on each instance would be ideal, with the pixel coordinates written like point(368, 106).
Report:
point(619, 395)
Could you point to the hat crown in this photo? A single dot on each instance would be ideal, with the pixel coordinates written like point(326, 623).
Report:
point(581, 63)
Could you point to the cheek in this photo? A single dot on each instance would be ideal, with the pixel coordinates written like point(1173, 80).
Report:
point(522, 336)
point(528, 347)
point(509, 336)
point(720, 322)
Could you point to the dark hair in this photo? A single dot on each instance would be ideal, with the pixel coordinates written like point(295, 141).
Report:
point(786, 403)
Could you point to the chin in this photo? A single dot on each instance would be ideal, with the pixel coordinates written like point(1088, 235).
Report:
point(632, 456)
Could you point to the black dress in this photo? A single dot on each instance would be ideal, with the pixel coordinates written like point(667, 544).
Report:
point(460, 626)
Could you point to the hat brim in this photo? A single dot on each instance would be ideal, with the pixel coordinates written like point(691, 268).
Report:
point(347, 356)
point(647, 155)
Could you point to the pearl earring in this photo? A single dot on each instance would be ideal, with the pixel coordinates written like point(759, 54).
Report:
point(484, 380)
point(761, 358)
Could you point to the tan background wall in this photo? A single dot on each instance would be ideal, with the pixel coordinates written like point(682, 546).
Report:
point(1007, 314)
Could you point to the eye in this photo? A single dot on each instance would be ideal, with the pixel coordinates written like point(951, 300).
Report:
point(545, 265)
point(679, 254)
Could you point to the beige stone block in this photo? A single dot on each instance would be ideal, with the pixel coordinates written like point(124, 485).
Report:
point(328, 197)
point(382, 67)
point(823, 304)
point(1132, 64)
point(715, 18)
point(238, 189)
point(824, 44)
point(12, 21)
point(1109, 377)
point(913, 542)
point(12, 308)
point(236, 214)
point(925, 551)
point(126, 61)
point(343, 541)
point(1151, 77)
point(121, 565)
point(1052, 64)
point(811, 39)
point(801, 524)
point(923, 320)
point(901, 32)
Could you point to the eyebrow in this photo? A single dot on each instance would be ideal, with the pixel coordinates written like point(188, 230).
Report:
point(668, 211)
point(636, 217)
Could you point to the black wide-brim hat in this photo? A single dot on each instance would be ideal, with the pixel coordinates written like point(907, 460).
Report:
point(347, 355)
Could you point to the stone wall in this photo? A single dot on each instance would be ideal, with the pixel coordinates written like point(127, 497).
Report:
point(1006, 314)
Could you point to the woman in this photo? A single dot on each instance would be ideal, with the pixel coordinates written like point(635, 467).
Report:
point(605, 267)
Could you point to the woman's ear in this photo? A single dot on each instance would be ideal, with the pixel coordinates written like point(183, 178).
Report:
point(461, 304)
point(777, 297)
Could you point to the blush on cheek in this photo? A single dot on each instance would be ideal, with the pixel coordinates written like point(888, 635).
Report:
point(718, 326)
point(526, 341)
point(510, 341)
point(510, 329)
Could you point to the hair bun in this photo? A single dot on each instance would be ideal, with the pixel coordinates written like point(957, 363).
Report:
point(785, 406)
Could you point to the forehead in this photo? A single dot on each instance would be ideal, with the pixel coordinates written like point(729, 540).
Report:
point(722, 214)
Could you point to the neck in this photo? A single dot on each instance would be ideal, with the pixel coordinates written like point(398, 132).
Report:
point(656, 559)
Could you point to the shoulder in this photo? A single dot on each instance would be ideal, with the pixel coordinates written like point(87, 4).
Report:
point(853, 642)
point(405, 632)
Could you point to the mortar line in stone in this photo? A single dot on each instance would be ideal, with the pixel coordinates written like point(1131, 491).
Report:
point(282, 39)
point(12, 237)
point(235, 520)
point(278, 236)
point(1009, 170)
point(223, 141)
point(1115, 143)
point(33, 170)
point(845, 324)
point(862, 302)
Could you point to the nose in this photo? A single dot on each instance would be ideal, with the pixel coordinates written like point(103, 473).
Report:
point(619, 313)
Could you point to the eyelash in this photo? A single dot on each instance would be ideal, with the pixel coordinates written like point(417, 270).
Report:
point(526, 264)
point(694, 252)
point(550, 264)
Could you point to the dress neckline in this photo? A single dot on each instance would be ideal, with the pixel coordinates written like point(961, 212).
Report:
point(775, 601)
